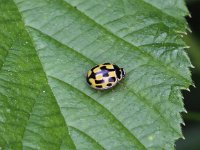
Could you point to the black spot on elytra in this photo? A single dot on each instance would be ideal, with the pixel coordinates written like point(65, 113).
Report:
point(92, 75)
point(88, 81)
point(118, 72)
point(109, 84)
point(106, 63)
point(99, 81)
point(106, 75)
point(98, 86)
point(94, 67)
point(104, 68)
point(116, 67)
point(112, 79)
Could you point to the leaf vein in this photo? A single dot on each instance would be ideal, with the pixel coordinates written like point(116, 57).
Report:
point(78, 130)
point(126, 130)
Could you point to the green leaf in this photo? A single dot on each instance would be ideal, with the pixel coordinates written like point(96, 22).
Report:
point(47, 47)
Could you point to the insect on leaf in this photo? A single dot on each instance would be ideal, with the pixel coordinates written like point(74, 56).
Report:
point(47, 47)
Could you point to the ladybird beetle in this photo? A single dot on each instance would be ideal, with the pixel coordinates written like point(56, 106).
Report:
point(104, 76)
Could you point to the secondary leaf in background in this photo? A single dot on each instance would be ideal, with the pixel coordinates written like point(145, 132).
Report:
point(48, 46)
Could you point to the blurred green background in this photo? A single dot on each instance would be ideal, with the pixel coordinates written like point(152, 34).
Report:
point(191, 130)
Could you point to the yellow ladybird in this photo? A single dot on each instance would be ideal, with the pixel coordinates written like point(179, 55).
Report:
point(104, 76)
